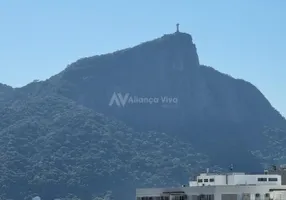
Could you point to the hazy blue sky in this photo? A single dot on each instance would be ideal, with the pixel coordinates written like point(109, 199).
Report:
point(244, 38)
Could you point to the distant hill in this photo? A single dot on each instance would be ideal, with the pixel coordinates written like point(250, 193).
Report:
point(5, 93)
point(150, 115)
point(51, 147)
point(210, 107)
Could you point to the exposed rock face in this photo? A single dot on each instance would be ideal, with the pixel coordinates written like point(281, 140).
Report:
point(200, 99)
point(166, 67)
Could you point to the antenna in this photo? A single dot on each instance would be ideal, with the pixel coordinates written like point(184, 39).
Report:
point(274, 167)
point(178, 27)
point(231, 167)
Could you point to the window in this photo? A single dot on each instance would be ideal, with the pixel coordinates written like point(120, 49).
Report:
point(262, 179)
point(257, 195)
point(272, 179)
point(206, 180)
point(184, 197)
point(200, 180)
point(267, 195)
point(212, 180)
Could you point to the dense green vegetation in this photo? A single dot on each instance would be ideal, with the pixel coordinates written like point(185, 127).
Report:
point(51, 147)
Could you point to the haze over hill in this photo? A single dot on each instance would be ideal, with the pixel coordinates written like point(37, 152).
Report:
point(209, 108)
point(143, 116)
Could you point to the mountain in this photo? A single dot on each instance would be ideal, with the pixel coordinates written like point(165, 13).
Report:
point(150, 115)
point(161, 85)
point(51, 147)
point(5, 93)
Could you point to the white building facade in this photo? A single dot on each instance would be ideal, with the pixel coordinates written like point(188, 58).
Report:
point(228, 186)
point(208, 179)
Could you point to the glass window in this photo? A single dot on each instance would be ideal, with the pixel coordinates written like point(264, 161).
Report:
point(212, 180)
point(200, 180)
point(262, 179)
point(267, 195)
point(206, 180)
point(272, 179)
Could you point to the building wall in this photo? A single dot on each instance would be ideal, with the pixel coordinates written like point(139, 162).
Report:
point(253, 179)
point(229, 197)
point(281, 172)
point(218, 180)
point(279, 195)
point(236, 179)
point(193, 183)
point(210, 190)
point(198, 197)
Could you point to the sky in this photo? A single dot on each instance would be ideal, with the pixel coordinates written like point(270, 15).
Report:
point(243, 38)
